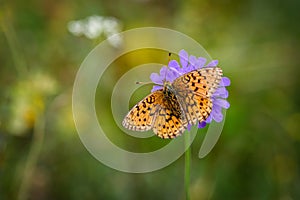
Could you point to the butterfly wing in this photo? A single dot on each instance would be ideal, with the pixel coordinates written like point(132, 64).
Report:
point(141, 117)
point(202, 82)
point(193, 91)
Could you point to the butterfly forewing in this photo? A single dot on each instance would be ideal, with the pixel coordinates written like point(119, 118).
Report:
point(141, 116)
point(203, 81)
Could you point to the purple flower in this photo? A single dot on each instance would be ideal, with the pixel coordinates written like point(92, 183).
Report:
point(188, 64)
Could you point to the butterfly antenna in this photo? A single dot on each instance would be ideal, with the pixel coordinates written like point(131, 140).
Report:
point(169, 59)
point(142, 83)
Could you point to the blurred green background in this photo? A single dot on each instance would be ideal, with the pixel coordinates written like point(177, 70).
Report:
point(257, 44)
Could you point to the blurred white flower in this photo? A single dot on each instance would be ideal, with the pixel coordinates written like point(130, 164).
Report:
point(76, 27)
point(93, 26)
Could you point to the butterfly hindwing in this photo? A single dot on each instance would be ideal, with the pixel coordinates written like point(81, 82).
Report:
point(195, 107)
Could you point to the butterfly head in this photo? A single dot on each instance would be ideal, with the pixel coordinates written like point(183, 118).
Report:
point(167, 85)
point(168, 88)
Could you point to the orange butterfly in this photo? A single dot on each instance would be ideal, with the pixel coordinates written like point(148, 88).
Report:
point(168, 111)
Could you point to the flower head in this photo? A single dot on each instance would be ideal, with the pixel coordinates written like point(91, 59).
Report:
point(188, 64)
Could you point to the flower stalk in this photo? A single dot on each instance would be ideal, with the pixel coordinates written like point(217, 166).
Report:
point(187, 167)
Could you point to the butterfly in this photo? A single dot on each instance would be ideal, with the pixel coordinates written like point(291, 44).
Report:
point(168, 111)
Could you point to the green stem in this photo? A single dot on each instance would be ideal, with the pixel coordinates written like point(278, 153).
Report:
point(187, 166)
point(34, 152)
point(10, 34)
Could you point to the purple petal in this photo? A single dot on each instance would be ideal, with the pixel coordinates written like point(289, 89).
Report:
point(225, 81)
point(217, 114)
point(222, 102)
point(174, 64)
point(209, 119)
point(189, 127)
point(225, 94)
point(187, 69)
point(193, 62)
point(213, 63)
point(201, 62)
point(155, 78)
point(220, 92)
point(201, 124)
point(163, 72)
point(172, 75)
point(184, 58)
point(218, 117)
point(156, 87)
point(175, 70)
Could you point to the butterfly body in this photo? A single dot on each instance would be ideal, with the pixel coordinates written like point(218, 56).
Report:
point(170, 100)
point(168, 111)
